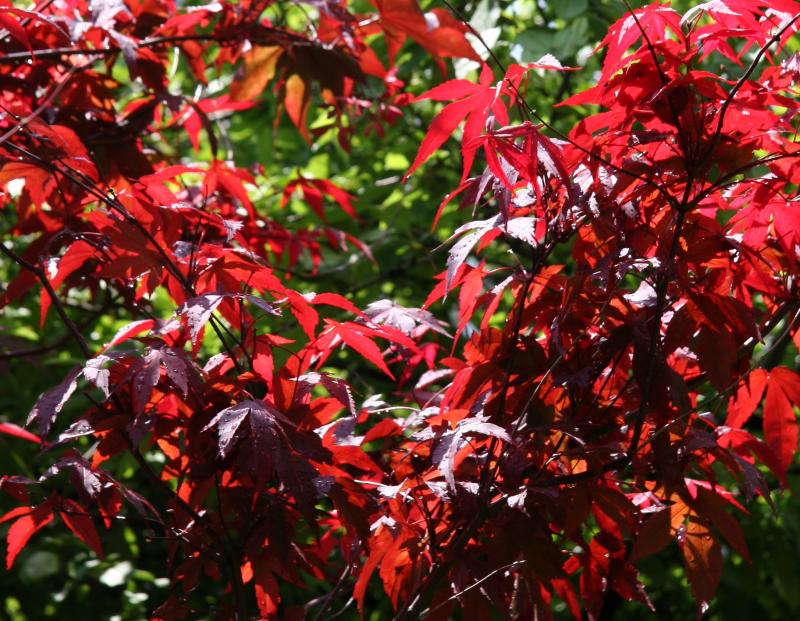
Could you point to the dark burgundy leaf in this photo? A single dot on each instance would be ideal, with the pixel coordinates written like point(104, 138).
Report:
point(50, 403)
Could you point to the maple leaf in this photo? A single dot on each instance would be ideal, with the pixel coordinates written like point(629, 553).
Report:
point(145, 376)
point(198, 310)
point(437, 31)
point(675, 177)
point(654, 535)
point(74, 516)
point(651, 21)
point(200, 114)
point(258, 68)
point(338, 389)
point(452, 441)
point(747, 398)
point(263, 420)
point(31, 520)
point(145, 373)
point(269, 447)
point(129, 331)
point(780, 421)
point(702, 555)
point(522, 228)
point(404, 319)
point(711, 502)
point(360, 339)
point(313, 191)
point(474, 102)
point(48, 406)
point(88, 481)
point(308, 63)
point(59, 270)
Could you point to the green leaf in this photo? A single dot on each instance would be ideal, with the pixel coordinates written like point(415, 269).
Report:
point(569, 9)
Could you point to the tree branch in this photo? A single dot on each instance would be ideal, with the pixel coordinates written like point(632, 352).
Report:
point(57, 305)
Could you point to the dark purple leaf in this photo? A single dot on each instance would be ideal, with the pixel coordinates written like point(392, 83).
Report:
point(432, 377)
point(198, 311)
point(521, 229)
point(263, 423)
point(472, 426)
point(145, 378)
point(449, 444)
point(48, 406)
point(458, 254)
point(141, 504)
point(77, 429)
point(343, 430)
point(140, 426)
point(260, 303)
point(518, 228)
point(337, 388)
point(86, 481)
point(231, 228)
point(177, 366)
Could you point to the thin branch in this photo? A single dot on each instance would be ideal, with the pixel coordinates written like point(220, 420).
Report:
point(18, 58)
point(327, 599)
point(740, 82)
point(88, 185)
point(217, 542)
point(57, 344)
point(57, 304)
point(54, 92)
point(529, 111)
point(477, 583)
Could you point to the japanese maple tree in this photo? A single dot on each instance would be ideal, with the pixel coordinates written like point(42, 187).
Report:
point(621, 294)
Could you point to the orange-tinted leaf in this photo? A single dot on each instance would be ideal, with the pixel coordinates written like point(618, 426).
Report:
point(296, 100)
point(702, 556)
point(258, 69)
point(267, 594)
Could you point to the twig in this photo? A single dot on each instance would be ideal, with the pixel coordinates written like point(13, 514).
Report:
point(57, 304)
point(88, 185)
point(327, 600)
point(54, 92)
point(740, 82)
point(474, 585)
